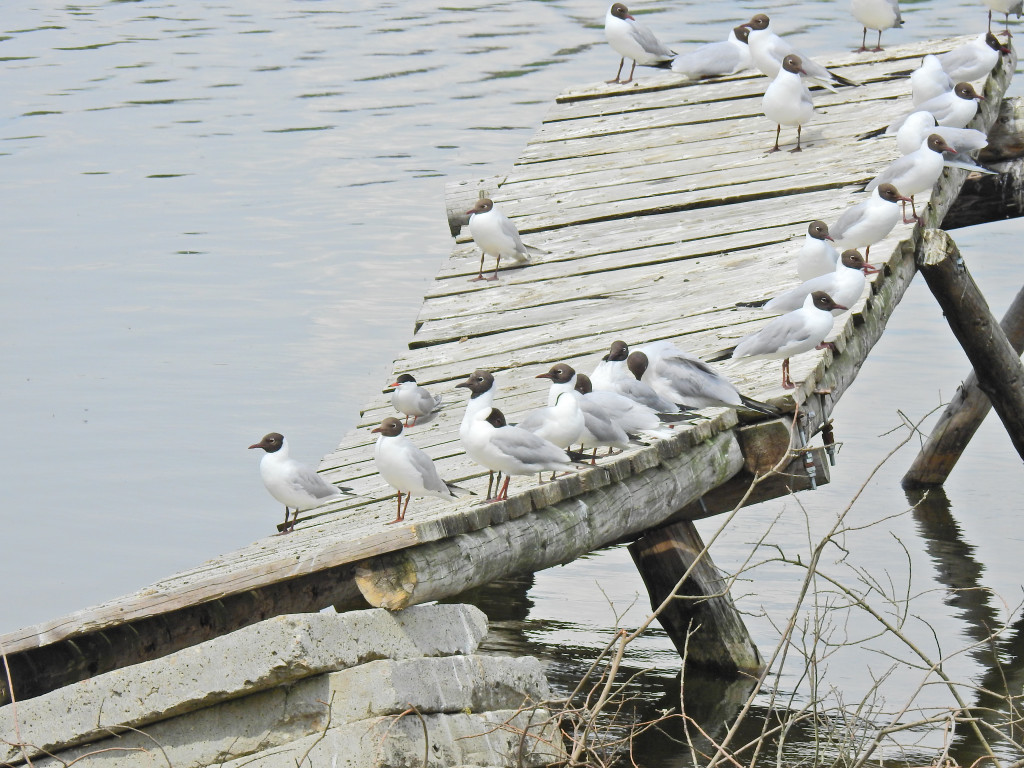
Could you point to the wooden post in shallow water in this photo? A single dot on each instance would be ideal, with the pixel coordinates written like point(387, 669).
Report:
point(962, 416)
point(998, 365)
point(703, 606)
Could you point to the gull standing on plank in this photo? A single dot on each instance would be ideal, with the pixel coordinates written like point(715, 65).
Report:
point(407, 468)
point(920, 125)
point(816, 256)
point(561, 422)
point(293, 484)
point(973, 60)
point(844, 284)
point(916, 172)
point(726, 57)
point(508, 449)
point(864, 224)
point(1005, 7)
point(929, 80)
point(412, 399)
point(790, 334)
point(688, 381)
point(768, 50)
point(496, 235)
point(632, 40)
point(875, 14)
point(954, 108)
point(601, 427)
point(613, 374)
point(787, 101)
point(482, 392)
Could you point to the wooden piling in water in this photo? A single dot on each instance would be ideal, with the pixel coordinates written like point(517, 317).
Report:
point(703, 607)
point(963, 416)
point(998, 365)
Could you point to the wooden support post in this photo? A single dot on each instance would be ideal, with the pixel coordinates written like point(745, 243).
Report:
point(962, 416)
point(704, 608)
point(999, 368)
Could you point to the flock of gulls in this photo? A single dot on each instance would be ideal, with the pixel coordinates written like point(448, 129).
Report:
point(638, 394)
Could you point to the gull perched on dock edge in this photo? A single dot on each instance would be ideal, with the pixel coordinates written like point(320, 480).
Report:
point(561, 421)
point(725, 57)
point(413, 400)
point(632, 40)
point(791, 334)
point(787, 101)
point(973, 60)
point(293, 484)
point(916, 172)
point(613, 374)
point(496, 235)
point(954, 108)
point(844, 284)
point(875, 14)
point(864, 224)
point(407, 468)
point(686, 380)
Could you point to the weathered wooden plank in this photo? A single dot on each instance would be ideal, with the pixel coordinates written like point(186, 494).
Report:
point(558, 534)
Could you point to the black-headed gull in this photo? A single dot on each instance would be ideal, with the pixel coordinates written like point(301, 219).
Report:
point(688, 381)
point(787, 101)
point(726, 57)
point(973, 60)
point(407, 468)
point(878, 15)
point(613, 374)
point(509, 450)
point(293, 484)
point(411, 399)
point(844, 284)
point(495, 235)
point(1005, 7)
point(929, 80)
point(864, 224)
point(916, 172)
point(920, 125)
point(560, 422)
point(816, 256)
point(790, 334)
point(955, 108)
point(632, 40)
point(482, 392)
point(768, 50)
point(602, 428)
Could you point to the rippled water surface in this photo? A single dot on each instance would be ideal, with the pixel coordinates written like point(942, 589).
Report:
point(218, 220)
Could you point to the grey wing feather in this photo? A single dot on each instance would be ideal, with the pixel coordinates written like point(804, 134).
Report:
point(526, 446)
point(782, 331)
point(896, 167)
point(650, 43)
point(847, 219)
point(311, 482)
point(428, 472)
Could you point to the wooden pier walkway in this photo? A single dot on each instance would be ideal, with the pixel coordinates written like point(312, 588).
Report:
point(661, 210)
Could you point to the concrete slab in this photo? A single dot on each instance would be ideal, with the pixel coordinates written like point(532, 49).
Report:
point(275, 652)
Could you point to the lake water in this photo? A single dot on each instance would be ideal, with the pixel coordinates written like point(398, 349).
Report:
point(218, 220)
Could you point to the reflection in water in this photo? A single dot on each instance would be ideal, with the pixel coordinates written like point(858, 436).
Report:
point(998, 694)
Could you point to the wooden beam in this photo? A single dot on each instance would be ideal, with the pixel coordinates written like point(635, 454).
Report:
point(551, 536)
point(962, 416)
point(1000, 372)
point(702, 621)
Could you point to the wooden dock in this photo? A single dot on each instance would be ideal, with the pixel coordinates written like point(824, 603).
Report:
point(660, 209)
